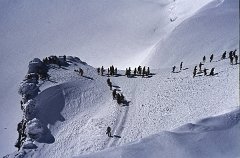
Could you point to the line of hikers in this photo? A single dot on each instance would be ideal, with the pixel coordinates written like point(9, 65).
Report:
point(138, 71)
point(204, 71)
point(232, 56)
point(100, 70)
point(119, 97)
point(80, 71)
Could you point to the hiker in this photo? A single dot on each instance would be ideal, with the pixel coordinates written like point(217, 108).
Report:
point(230, 54)
point(144, 71)
point(109, 131)
point(173, 69)
point(231, 59)
point(200, 66)
point(135, 71)
point(102, 70)
point(108, 81)
point(108, 71)
point(181, 65)
point(64, 58)
point(81, 71)
point(110, 85)
point(98, 70)
point(139, 70)
point(194, 71)
point(148, 71)
point(122, 97)
point(114, 94)
point(236, 59)
point(234, 52)
point(211, 58)
point(224, 55)
point(118, 98)
point(205, 71)
point(204, 59)
point(212, 72)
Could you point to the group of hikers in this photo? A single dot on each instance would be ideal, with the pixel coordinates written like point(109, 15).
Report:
point(54, 60)
point(80, 71)
point(232, 56)
point(110, 71)
point(138, 71)
point(119, 97)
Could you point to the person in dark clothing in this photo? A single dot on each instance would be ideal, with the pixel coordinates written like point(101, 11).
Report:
point(231, 59)
point(108, 72)
point(194, 71)
point(224, 55)
point(230, 54)
point(200, 66)
point(64, 58)
point(98, 70)
point(212, 72)
point(236, 59)
point(144, 71)
point(181, 65)
point(204, 59)
point(118, 98)
point(211, 58)
point(109, 131)
point(205, 71)
point(139, 70)
point(102, 70)
point(173, 68)
point(114, 94)
point(122, 97)
point(81, 71)
point(148, 71)
point(110, 85)
point(108, 81)
point(115, 71)
point(234, 52)
point(135, 71)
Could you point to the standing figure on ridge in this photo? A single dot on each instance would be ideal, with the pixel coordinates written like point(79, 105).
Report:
point(211, 58)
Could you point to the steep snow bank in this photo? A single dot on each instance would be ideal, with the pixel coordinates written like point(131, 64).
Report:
point(213, 29)
point(211, 137)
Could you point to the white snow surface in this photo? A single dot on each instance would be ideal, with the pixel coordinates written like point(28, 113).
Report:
point(213, 137)
point(123, 33)
point(78, 109)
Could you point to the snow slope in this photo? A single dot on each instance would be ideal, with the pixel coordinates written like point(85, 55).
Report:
point(81, 108)
point(211, 137)
point(212, 29)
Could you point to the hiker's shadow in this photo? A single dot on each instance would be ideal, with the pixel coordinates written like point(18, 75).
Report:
point(125, 103)
point(118, 75)
point(50, 104)
point(116, 86)
point(88, 77)
point(117, 136)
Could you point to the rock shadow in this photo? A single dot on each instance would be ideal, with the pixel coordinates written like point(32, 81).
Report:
point(50, 104)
